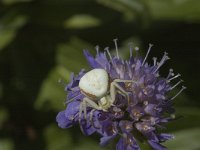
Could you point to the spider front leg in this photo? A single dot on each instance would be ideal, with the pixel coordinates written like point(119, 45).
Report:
point(87, 103)
point(91, 119)
point(115, 86)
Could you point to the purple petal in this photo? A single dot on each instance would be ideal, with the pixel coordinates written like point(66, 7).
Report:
point(106, 139)
point(62, 121)
point(127, 142)
point(126, 126)
point(72, 110)
point(87, 128)
point(91, 60)
point(156, 146)
point(164, 137)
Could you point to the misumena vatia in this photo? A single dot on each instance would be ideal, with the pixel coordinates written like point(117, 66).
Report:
point(99, 92)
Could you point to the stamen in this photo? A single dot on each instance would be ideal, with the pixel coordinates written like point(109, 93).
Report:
point(108, 52)
point(97, 49)
point(69, 101)
point(183, 88)
point(176, 84)
point(154, 61)
point(149, 49)
point(178, 75)
point(164, 58)
point(136, 50)
point(131, 48)
point(116, 47)
point(173, 116)
point(145, 103)
point(170, 73)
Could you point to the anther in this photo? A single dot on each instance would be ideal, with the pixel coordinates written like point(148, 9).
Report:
point(149, 49)
point(176, 84)
point(164, 58)
point(178, 75)
point(145, 103)
point(173, 116)
point(146, 127)
point(183, 88)
point(137, 48)
point(116, 47)
point(170, 73)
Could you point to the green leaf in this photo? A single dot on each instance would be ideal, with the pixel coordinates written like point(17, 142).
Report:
point(189, 118)
point(6, 144)
point(8, 28)
point(81, 21)
point(185, 140)
point(182, 10)
point(70, 55)
point(57, 139)
point(86, 144)
point(69, 58)
point(129, 8)
point(52, 95)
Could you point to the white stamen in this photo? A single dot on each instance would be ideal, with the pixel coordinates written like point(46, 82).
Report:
point(173, 116)
point(145, 103)
point(178, 75)
point(170, 73)
point(116, 47)
point(131, 48)
point(183, 88)
point(176, 84)
point(154, 61)
point(108, 52)
point(97, 49)
point(149, 49)
point(137, 48)
point(164, 58)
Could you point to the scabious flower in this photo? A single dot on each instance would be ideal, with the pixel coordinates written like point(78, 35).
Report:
point(140, 120)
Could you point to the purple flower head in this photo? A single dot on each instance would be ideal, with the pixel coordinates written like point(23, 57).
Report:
point(134, 103)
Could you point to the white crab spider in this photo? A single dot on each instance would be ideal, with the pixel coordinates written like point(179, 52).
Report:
point(99, 92)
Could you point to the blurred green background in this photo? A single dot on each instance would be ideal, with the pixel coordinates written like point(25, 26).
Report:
point(41, 41)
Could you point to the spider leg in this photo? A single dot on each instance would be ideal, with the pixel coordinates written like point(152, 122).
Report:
point(84, 109)
point(113, 91)
point(91, 103)
point(87, 103)
point(124, 81)
point(80, 115)
point(91, 119)
point(70, 100)
point(123, 92)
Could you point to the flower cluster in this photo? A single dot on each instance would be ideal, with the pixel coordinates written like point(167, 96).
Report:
point(149, 109)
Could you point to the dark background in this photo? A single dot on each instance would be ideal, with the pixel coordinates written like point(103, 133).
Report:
point(41, 41)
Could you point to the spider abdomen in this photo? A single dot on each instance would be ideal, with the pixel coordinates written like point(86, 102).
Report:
point(94, 83)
